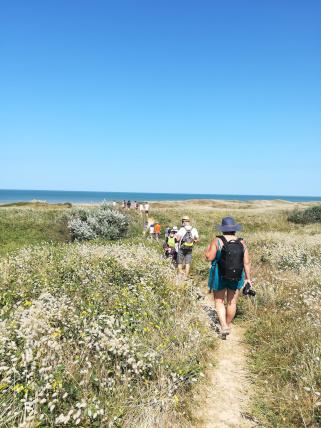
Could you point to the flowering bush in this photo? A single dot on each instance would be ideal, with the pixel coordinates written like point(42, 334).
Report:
point(95, 336)
point(103, 222)
point(292, 252)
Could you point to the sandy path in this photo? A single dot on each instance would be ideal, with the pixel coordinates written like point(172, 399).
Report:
point(224, 402)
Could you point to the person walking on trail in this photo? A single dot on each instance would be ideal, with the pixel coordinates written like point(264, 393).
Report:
point(170, 245)
point(145, 227)
point(146, 208)
point(157, 230)
point(229, 272)
point(186, 238)
point(151, 231)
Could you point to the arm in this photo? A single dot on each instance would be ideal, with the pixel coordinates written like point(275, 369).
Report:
point(178, 237)
point(247, 265)
point(210, 252)
point(196, 236)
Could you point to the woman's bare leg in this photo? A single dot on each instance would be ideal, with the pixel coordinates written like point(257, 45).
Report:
point(232, 296)
point(219, 297)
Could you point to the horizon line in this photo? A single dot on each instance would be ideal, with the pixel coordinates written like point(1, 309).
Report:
point(165, 193)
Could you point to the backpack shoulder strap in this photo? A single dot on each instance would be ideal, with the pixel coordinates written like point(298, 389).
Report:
point(222, 237)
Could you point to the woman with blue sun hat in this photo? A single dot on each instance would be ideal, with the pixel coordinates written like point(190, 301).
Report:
point(229, 272)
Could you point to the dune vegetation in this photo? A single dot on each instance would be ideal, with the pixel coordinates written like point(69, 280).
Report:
point(284, 321)
point(97, 334)
point(101, 333)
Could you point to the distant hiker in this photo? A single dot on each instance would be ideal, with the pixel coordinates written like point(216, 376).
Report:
point(229, 272)
point(170, 245)
point(151, 231)
point(186, 238)
point(157, 230)
point(145, 227)
point(124, 204)
point(136, 205)
point(146, 208)
point(129, 204)
point(167, 232)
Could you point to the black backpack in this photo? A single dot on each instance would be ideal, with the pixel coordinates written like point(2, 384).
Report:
point(231, 264)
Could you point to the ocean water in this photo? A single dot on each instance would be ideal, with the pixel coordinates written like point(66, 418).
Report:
point(9, 196)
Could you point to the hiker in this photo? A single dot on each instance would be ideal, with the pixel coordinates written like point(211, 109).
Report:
point(129, 204)
point(167, 232)
point(124, 203)
point(229, 272)
point(145, 226)
point(136, 205)
point(186, 237)
point(151, 231)
point(146, 208)
point(157, 230)
point(170, 245)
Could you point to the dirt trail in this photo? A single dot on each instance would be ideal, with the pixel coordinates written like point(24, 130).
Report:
point(225, 402)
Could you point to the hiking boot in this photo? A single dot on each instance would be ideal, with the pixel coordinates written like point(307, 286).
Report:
point(224, 332)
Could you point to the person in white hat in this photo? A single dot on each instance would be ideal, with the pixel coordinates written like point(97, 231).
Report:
point(186, 238)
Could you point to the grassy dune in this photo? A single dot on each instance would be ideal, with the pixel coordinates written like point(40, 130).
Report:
point(31, 224)
point(82, 298)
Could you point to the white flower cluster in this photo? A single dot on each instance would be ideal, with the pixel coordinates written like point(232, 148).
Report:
point(292, 252)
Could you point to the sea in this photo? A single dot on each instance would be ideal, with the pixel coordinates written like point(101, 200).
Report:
point(87, 197)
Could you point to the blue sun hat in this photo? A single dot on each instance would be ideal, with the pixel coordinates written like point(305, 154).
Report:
point(229, 225)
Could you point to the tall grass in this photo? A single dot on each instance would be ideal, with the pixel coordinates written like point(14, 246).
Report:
point(285, 329)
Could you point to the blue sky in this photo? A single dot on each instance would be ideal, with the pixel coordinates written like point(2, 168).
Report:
point(170, 96)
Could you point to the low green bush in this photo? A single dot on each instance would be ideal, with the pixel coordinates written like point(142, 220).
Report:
point(105, 222)
point(309, 215)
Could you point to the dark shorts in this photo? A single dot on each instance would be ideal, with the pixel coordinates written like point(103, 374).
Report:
point(184, 257)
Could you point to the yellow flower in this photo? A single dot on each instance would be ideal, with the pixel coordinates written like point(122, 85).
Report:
point(56, 333)
point(27, 303)
point(18, 388)
point(56, 384)
point(176, 400)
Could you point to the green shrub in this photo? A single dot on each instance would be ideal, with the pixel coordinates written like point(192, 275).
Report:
point(105, 222)
point(309, 215)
